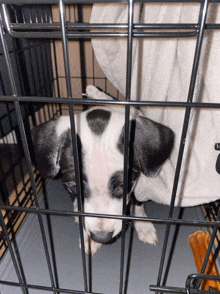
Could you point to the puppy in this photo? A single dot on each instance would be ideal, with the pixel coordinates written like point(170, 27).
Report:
point(100, 135)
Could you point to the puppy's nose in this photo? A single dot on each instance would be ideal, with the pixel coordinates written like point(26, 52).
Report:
point(101, 236)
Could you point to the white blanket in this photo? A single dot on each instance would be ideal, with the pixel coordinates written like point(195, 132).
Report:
point(161, 70)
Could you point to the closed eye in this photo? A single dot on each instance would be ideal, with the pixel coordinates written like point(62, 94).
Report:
point(116, 185)
point(118, 192)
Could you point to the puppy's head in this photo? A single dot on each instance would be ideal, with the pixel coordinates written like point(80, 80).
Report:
point(100, 134)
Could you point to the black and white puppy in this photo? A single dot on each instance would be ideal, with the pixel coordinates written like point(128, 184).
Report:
point(100, 132)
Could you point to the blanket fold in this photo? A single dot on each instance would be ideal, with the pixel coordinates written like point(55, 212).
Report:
point(161, 71)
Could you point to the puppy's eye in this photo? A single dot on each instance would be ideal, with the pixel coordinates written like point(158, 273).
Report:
point(115, 185)
point(118, 192)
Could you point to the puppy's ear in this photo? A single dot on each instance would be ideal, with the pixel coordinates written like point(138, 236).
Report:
point(153, 143)
point(48, 141)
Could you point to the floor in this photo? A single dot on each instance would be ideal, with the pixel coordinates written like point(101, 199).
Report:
point(104, 267)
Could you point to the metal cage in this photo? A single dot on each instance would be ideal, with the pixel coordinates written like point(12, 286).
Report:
point(34, 89)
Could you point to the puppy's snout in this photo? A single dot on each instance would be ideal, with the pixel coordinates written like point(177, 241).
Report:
point(101, 236)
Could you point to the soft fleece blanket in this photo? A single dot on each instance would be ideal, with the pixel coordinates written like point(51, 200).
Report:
point(161, 71)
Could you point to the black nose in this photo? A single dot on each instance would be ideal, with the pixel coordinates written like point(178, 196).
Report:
point(101, 237)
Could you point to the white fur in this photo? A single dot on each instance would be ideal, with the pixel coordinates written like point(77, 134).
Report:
point(102, 159)
point(63, 124)
point(145, 230)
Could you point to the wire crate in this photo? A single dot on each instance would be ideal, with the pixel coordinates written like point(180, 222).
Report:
point(46, 62)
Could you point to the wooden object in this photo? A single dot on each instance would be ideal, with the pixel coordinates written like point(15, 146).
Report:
point(199, 242)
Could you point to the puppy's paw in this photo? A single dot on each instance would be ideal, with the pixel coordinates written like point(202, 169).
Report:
point(90, 245)
point(92, 92)
point(76, 219)
point(146, 232)
point(95, 93)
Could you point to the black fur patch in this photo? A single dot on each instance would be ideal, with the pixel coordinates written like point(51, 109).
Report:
point(98, 120)
point(150, 145)
point(116, 185)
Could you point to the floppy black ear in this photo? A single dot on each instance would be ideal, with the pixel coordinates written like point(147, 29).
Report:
point(153, 143)
point(48, 145)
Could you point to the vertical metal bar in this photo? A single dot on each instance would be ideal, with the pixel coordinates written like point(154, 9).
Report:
point(65, 49)
point(204, 8)
point(25, 147)
point(126, 134)
point(6, 17)
point(93, 67)
point(82, 52)
point(172, 247)
point(74, 137)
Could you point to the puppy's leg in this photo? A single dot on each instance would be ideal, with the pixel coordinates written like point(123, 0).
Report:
point(75, 209)
point(145, 230)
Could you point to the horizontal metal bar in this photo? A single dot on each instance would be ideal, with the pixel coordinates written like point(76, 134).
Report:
point(25, 30)
point(104, 26)
point(172, 221)
point(91, 102)
point(41, 30)
point(112, 26)
point(166, 289)
point(98, 1)
point(51, 289)
point(176, 290)
point(89, 35)
point(50, 30)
